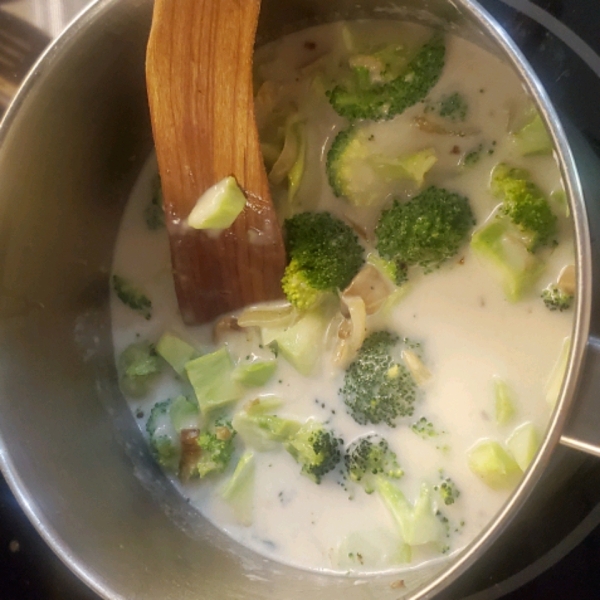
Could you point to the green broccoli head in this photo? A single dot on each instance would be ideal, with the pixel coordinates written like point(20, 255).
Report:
point(448, 491)
point(316, 448)
point(377, 389)
point(368, 458)
point(324, 254)
point(525, 205)
point(556, 299)
point(138, 366)
point(363, 96)
point(162, 436)
point(216, 448)
point(361, 172)
point(454, 107)
point(426, 230)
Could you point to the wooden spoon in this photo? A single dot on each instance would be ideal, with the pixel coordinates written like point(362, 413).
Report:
point(199, 80)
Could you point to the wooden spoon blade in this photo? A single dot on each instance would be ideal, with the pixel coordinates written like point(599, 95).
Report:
point(199, 79)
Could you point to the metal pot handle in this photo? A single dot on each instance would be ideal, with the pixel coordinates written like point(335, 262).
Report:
point(582, 430)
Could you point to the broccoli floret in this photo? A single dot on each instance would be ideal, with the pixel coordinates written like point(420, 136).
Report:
point(324, 254)
point(132, 297)
point(499, 244)
point(154, 214)
point(424, 428)
point(454, 107)
point(448, 491)
point(368, 458)
point(365, 97)
point(525, 205)
point(216, 448)
point(311, 444)
point(138, 367)
point(316, 448)
point(162, 435)
point(360, 172)
point(426, 230)
point(556, 299)
point(377, 389)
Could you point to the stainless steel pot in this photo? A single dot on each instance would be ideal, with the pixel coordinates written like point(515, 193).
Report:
point(71, 146)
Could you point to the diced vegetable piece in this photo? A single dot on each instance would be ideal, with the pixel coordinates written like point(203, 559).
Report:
point(184, 414)
point(499, 246)
point(256, 373)
point(301, 344)
point(238, 491)
point(421, 374)
point(505, 408)
point(493, 465)
point(138, 367)
point(524, 444)
point(219, 206)
point(211, 378)
point(263, 432)
point(533, 138)
point(175, 351)
point(418, 524)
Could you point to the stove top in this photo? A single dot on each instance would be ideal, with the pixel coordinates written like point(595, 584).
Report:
point(560, 39)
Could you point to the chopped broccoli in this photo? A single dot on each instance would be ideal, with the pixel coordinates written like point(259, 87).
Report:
point(315, 448)
point(493, 465)
point(324, 254)
point(500, 245)
point(424, 428)
point(138, 367)
point(377, 389)
point(311, 444)
point(448, 491)
point(154, 214)
point(556, 299)
point(132, 297)
point(216, 448)
point(504, 401)
point(163, 438)
point(533, 138)
point(363, 96)
point(525, 205)
point(418, 523)
point(301, 343)
point(370, 457)
point(211, 378)
point(360, 172)
point(175, 351)
point(238, 491)
point(453, 107)
point(472, 157)
point(426, 230)
point(255, 373)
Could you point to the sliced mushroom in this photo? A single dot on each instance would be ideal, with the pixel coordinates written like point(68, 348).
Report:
point(351, 331)
point(372, 286)
point(190, 453)
point(427, 125)
point(567, 280)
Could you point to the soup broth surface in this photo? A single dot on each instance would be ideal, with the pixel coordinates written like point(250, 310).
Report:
point(469, 334)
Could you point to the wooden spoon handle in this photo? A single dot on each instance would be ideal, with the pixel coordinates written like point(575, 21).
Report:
point(199, 79)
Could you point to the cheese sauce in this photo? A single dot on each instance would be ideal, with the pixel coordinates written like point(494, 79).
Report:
point(470, 333)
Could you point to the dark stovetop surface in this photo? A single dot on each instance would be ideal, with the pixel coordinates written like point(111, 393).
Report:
point(560, 39)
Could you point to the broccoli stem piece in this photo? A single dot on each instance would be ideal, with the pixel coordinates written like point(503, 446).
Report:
point(362, 97)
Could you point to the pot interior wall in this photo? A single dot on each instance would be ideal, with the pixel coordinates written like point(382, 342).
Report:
point(70, 447)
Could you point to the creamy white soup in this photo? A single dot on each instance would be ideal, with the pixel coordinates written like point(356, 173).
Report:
point(480, 331)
